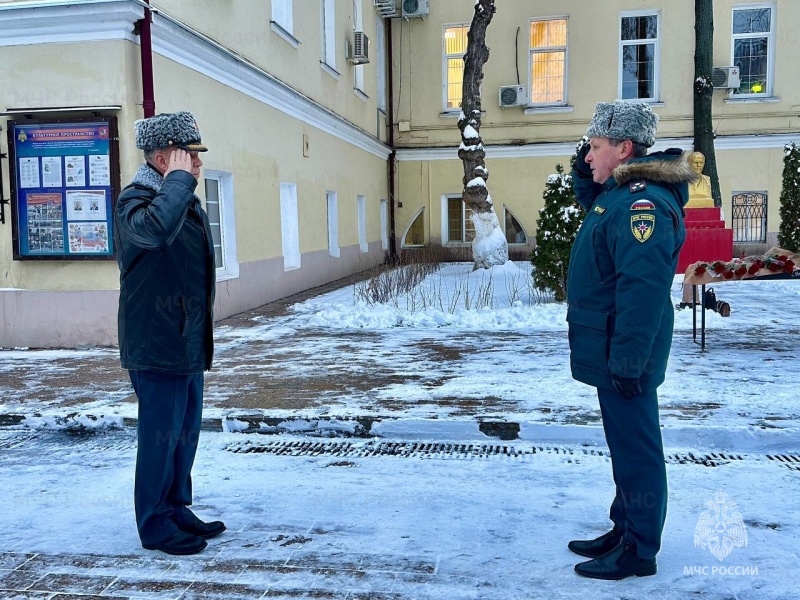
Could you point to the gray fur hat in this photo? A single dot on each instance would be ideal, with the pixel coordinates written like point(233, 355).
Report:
point(166, 130)
point(633, 121)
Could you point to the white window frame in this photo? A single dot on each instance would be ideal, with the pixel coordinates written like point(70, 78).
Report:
point(446, 221)
point(533, 51)
point(656, 53)
point(290, 227)
point(768, 91)
point(227, 225)
point(380, 62)
point(361, 215)
point(358, 70)
point(328, 12)
point(332, 202)
point(282, 21)
point(384, 224)
point(445, 58)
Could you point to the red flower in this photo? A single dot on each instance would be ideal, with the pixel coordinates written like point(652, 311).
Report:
point(788, 266)
point(783, 257)
point(773, 266)
point(741, 271)
point(700, 270)
point(727, 275)
point(719, 267)
point(754, 268)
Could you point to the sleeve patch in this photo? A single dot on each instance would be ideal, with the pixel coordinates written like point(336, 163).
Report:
point(637, 186)
point(642, 227)
point(643, 205)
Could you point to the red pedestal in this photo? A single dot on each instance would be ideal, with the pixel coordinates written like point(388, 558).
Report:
point(707, 239)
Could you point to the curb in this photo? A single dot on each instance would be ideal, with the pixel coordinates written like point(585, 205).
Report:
point(746, 438)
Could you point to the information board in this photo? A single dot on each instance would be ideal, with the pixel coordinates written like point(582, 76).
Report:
point(64, 180)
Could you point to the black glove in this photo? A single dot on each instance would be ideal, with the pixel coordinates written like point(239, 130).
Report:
point(582, 168)
point(627, 387)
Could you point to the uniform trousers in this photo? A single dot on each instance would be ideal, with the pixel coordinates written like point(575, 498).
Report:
point(633, 436)
point(170, 411)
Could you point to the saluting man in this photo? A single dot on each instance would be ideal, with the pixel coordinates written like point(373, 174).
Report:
point(166, 262)
point(620, 319)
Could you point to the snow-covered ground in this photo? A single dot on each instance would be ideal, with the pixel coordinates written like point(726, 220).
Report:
point(384, 517)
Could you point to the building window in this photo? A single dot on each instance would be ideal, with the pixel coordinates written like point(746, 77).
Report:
point(749, 218)
point(455, 46)
point(415, 234)
point(333, 223)
point(222, 218)
point(361, 209)
point(753, 47)
point(457, 220)
point(290, 230)
point(548, 61)
point(384, 225)
point(515, 234)
point(282, 15)
point(329, 33)
point(639, 56)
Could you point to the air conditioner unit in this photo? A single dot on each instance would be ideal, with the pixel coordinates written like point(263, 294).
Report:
point(725, 77)
point(387, 8)
point(415, 8)
point(513, 95)
point(360, 49)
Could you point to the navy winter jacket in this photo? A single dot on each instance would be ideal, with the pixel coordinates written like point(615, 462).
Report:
point(622, 267)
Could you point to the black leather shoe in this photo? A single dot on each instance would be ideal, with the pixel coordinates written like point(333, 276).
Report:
point(598, 546)
point(180, 543)
point(203, 529)
point(620, 563)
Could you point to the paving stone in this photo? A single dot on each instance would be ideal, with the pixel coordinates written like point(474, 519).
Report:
point(18, 580)
point(72, 584)
point(350, 581)
point(381, 596)
point(61, 563)
point(338, 561)
point(149, 589)
point(84, 597)
point(303, 594)
point(223, 591)
point(9, 595)
point(398, 564)
point(12, 560)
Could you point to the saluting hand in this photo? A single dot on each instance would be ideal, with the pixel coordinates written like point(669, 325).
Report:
point(179, 160)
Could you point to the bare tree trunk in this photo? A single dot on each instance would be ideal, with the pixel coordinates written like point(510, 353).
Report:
point(489, 247)
point(703, 57)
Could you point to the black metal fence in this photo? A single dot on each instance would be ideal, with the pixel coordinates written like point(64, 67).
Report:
point(749, 218)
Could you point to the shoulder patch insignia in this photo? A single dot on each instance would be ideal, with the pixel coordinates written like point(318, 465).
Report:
point(642, 227)
point(599, 210)
point(637, 186)
point(643, 205)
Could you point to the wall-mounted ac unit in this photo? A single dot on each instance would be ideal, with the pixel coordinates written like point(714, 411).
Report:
point(415, 8)
point(359, 54)
point(387, 8)
point(513, 95)
point(725, 77)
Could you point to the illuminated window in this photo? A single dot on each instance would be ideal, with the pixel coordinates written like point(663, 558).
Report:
point(549, 61)
point(639, 55)
point(753, 41)
point(455, 46)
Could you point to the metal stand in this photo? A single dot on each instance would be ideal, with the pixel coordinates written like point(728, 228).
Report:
point(702, 316)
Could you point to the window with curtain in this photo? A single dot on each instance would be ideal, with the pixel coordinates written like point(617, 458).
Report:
point(548, 61)
point(459, 222)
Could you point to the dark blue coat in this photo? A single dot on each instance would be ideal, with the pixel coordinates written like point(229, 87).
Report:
point(621, 270)
point(167, 276)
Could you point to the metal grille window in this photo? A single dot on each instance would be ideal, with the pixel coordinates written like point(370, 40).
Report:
point(455, 46)
point(548, 61)
point(749, 217)
point(639, 47)
point(753, 33)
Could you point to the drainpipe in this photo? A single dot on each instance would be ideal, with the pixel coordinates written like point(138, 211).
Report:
point(145, 42)
point(393, 155)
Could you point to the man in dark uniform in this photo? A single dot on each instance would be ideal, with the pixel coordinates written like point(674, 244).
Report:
point(167, 282)
point(620, 319)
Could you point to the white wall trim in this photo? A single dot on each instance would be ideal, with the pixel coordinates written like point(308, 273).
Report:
point(733, 142)
point(49, 22)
